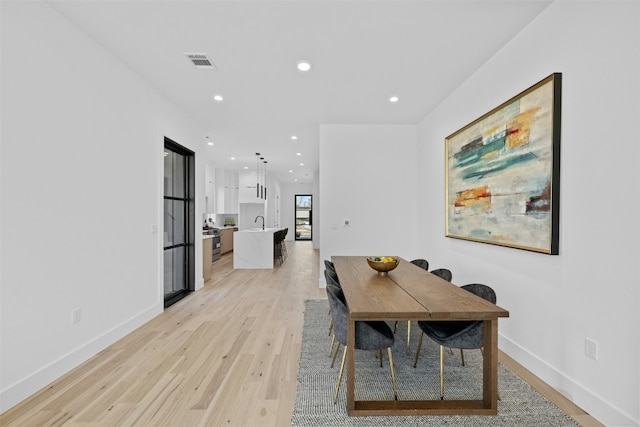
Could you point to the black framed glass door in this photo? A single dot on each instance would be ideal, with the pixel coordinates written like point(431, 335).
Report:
point(303, 215)
point(179, 265)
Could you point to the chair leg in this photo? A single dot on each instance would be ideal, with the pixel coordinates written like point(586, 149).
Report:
point(441, 373)
point(462, 356)
point(344, 356)
point(393, 375)
point(333, 341)
point(408, 336)
point(333, 361)
point(395, 327)
point(380, 356)
point(330, 326)
point(415, 362)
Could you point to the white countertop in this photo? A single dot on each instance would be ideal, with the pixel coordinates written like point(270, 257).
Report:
point(260, 230)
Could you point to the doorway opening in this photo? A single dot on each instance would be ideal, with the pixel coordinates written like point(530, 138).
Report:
point(179, 230)
point(304, 209)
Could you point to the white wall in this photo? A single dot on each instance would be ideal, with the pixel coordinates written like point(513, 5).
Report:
point(272, 204)
point(367, 177)
point(591, 288)
point(316, 227)
point(248, 216)
point(81, 177)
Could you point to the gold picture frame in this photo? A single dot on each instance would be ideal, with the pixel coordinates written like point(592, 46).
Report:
point(503, 173)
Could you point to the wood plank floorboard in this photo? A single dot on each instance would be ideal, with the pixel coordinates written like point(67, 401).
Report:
point(225, 355)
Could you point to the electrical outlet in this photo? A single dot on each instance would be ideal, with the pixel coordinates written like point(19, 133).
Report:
point(75, 315)
point(591, 348)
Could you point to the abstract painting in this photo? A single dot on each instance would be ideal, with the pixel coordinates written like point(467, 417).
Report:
point(503, 173)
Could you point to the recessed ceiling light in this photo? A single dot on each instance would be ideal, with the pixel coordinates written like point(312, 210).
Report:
point(294, 137)
point(304, 65)
point(218, 98)
point(298, 154)
point(301, 164)
point(290, 170)
point(232, 158)
point(393, 99)
point(209, 142)
point(246, 167)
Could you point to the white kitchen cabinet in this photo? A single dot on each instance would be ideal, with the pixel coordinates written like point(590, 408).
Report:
point(247, 192)
point(247, 179)
point(210, 188)
point(232, 199)
point(226, 192)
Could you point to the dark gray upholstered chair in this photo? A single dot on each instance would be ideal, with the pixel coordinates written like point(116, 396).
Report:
point(329, 265)
point(284, 246)
point(456, 334)
point(443, 273)
point(422, 263)
point(279, 249)
point(331, 278)
point(371, 335)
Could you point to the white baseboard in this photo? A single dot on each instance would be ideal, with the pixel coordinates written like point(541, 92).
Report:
point(586, 399)
point(17, 392)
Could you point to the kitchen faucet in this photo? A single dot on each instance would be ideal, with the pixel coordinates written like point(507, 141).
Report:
point(260, 216)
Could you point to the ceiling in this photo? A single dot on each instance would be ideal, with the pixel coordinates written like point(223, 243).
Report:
point(362, 53)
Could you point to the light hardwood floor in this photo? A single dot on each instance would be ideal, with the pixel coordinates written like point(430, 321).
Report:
point(225, 355)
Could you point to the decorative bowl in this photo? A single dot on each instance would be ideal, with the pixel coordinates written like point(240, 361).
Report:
point(382, 264)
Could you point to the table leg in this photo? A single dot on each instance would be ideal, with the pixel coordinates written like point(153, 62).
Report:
point(490, 365)
point(351, 374)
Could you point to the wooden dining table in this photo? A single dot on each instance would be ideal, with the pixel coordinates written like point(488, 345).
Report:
point(410, 293)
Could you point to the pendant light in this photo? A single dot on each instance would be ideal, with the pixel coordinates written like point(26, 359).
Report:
point(257, 175)
point(261, 180)
point(265, 179)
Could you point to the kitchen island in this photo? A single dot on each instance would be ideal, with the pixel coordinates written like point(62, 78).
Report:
point(253, 248)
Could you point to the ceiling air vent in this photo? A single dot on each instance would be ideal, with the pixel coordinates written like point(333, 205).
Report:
point(201, 60)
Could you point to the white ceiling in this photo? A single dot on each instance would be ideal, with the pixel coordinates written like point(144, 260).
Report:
point(362, 53)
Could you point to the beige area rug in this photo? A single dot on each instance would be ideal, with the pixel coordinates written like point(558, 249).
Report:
point(520, 405)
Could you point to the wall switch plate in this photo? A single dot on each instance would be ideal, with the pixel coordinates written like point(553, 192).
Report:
point(591, 348)
point(75, 315)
